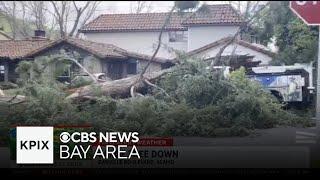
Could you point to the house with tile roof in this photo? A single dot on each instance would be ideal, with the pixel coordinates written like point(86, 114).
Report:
point(96, 57)
point(188, 32)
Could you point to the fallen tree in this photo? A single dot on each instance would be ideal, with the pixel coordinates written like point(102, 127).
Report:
point(1, 93)
point(11, 100)
point(120, 87)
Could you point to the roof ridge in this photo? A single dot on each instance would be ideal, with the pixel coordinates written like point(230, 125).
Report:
point(238, 41)
point(221, 14)
point(253, 46)
point(225, 4)
point(86, 40)
point(26, 40)
point(106, 14)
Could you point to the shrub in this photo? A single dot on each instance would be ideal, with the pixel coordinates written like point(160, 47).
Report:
point(144, 115)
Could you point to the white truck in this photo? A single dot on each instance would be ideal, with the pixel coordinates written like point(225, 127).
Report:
point(291, 84)
point(288, 83)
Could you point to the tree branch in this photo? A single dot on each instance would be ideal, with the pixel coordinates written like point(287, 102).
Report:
point(1, 93)
point(217, 58)
point(79, 13)
point(83, 68)
point(155, 86)
point(141, 75)
point(159, 43)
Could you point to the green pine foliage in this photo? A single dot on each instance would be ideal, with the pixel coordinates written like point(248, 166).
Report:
point(201, 103)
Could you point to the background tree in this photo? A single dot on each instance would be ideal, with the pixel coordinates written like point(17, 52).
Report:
point(66, 17)
point(246, 8)
point(141, 6)
point(16, 16)
point(38, 12)
point(296, 42)
point(72, 14)
point(24, 17)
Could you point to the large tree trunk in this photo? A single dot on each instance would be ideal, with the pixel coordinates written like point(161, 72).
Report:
point(119, 87)
point(11, 100)
point(1, 93)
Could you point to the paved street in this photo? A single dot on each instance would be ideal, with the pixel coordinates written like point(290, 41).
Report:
point(284, 147)
point(282, 136)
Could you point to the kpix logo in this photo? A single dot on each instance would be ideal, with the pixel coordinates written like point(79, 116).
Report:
point(34, 145)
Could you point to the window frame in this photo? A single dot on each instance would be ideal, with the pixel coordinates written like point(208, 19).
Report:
point(178, 36)
point(2, 69)
point(132, 62)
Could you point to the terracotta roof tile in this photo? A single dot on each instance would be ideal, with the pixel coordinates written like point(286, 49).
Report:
point(226, 39)
point(109, 50)
point(102, 49)
point(209, 46)
point(256, 48)
point(215, 14)
point(133, 22)
point(17, 49)
point(218, 14)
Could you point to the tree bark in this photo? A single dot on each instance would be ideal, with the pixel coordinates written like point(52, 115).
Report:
point(119, 87)
point(11, 100)
point(1, 93)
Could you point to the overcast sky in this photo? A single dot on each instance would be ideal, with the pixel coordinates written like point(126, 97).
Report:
point(124, 6)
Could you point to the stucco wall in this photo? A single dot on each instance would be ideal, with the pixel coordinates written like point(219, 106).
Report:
point(199, 36)
point(144, 42)
point(92, 64)
point(152, 68)
point(141, 42)
point(240, 50)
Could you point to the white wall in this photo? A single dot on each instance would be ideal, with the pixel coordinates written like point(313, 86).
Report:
point(140, 42)
point(240, 50)
point(202, 35)
point(154, 67)
point(92, 64)
point(198, 36)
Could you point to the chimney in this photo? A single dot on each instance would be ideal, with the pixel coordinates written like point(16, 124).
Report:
point(39, 34)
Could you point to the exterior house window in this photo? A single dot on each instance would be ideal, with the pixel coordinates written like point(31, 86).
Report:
point(75, 69)
point(2, 73)
point(178, 36)
point(1, 69)
point(66, 74)
point(132, 67)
